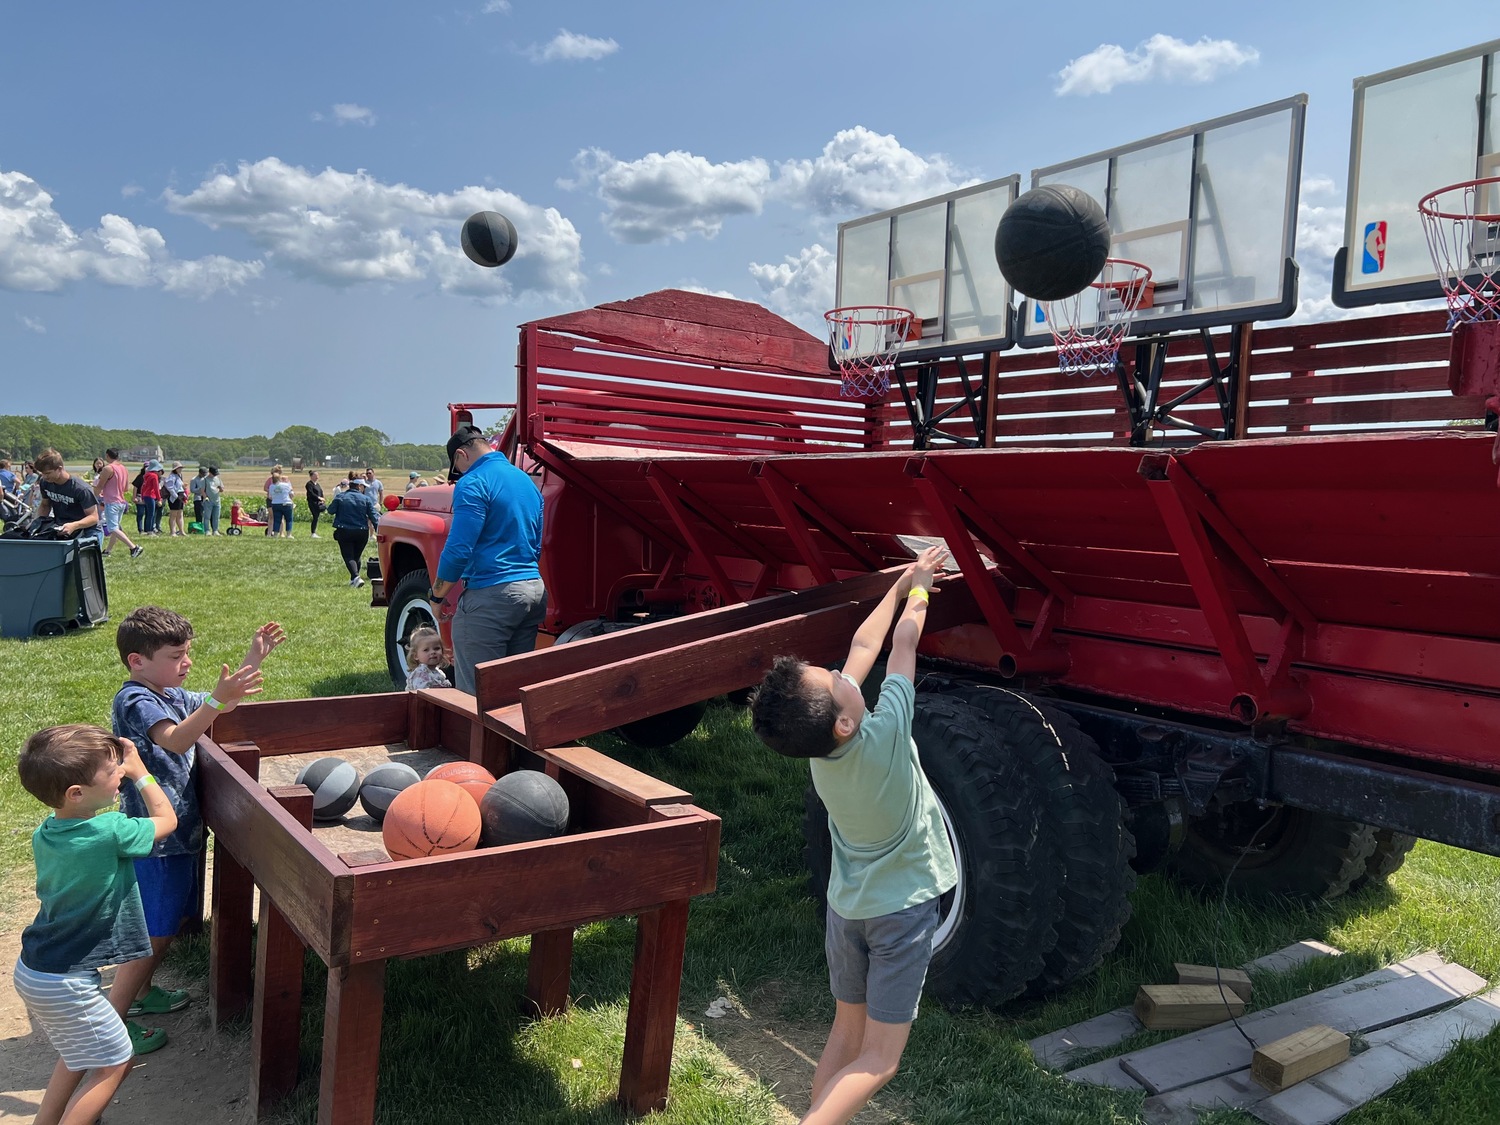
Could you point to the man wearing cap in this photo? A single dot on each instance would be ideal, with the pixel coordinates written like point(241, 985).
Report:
point(494, 545)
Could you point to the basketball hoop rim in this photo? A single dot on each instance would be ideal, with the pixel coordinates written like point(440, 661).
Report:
point(1142, 278)
point(1427, 205)
point(887, 314)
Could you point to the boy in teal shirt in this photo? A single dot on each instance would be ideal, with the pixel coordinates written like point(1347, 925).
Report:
point(892, 860)
point(90, 911)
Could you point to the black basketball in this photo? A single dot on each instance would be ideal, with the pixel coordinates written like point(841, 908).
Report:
point(381, 785)
point(334, 784)
point(1051, 242)
point(489, 239)
point(523, 805)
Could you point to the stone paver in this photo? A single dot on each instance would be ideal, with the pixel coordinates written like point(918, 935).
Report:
point(1292, 956)
point(1106, 1073)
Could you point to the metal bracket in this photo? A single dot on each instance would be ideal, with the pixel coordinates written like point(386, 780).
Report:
point(791, 504)
point(921, 403)
point(960, 520)
point(1143, 396)
point(675, 496)
point(1195, 523)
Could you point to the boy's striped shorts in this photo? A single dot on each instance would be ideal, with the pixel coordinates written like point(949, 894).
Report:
point(75, 1016)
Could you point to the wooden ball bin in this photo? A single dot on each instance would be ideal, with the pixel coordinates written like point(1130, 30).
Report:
point(636, 846)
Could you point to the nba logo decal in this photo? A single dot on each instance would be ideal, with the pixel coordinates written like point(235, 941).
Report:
point(1041, 313)
point(1374, 258)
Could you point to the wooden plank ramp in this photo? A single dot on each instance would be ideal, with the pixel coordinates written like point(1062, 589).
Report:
point(1058, 1048)
point(1419, 1003)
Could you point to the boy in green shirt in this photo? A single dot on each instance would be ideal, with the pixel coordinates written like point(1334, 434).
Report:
point(892, 860)
point(91, 912)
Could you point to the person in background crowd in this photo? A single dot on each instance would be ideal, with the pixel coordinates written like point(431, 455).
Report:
point(151, 495)
point(266, 488)
point(98, 467)
point(109, 486)
point(280, 495)
point(174, 493)
point(196, 488)
point(354, 519)
point(213, 489)
point(374, 489)
point(411, 479)
point(315, 503)
point(8, 480)
point(141, 527)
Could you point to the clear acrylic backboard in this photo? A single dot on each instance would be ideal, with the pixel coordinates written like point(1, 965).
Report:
point(1415, 129)
point(1211, 209)
point(937, 258)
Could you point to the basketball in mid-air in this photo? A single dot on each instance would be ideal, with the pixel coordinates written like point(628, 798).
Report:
point(430, 818)
point(1052, 242)
point(489, 239)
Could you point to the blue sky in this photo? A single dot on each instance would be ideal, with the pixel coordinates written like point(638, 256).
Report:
point(229, 219)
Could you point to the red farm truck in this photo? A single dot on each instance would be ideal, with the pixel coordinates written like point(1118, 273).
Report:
point(1219, 644)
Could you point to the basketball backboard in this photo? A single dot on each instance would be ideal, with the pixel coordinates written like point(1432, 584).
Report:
point(1210, 208)
point(1415, 129)
point(937, 258)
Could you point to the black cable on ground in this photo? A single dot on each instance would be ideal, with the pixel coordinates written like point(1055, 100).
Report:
point(1218, 925)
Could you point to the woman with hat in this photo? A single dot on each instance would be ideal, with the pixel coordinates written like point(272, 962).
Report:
point(174, 491)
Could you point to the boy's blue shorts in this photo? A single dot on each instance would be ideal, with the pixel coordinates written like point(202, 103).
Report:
point(169, 891)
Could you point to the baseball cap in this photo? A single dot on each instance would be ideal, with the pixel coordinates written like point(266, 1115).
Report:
point(461, 437)
point(412, 475)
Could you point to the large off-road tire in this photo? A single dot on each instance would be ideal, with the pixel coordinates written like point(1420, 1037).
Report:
point(1297, 853)
point(998, 923)
point(1391, 850)
point(654, 731)
point(1082, 814)
point(408, 609)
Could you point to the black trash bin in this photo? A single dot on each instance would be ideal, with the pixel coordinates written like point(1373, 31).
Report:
point(48, 586)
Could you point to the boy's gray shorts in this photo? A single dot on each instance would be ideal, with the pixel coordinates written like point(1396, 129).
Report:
point(882, 962)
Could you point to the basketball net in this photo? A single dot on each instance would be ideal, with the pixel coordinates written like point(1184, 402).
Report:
point(1089, 327)
point(1462, 222)
point(864, 342)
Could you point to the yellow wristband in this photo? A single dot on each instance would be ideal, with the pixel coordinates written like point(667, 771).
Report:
point(918, 592)
point(144, 780)
point(214, 703)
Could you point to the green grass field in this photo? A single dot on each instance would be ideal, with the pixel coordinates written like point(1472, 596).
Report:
point(454, 1047)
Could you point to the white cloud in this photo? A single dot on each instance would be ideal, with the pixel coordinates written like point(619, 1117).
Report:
point(671, 195)
point(800, 287)
point(861, 171)
point(492, 7)
point(343, 228)
point(32, 324)
point(665, 196)
point(348, 113)
point(694, 287)
point(566, 46)
point(40, 252)
point(1162, 58)
point(130, 190)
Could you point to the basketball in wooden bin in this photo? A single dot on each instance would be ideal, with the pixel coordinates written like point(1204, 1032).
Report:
point(635, 846)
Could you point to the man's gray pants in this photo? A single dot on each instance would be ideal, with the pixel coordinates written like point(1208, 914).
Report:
point(493, 622)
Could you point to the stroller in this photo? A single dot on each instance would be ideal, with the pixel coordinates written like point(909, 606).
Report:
point(15, 513)
point(238, 521)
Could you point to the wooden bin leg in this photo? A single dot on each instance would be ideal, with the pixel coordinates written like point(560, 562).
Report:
point(651, 1022)
point(229, 956)
point(351, 1044)
point(549, 971)
point(277, 1022)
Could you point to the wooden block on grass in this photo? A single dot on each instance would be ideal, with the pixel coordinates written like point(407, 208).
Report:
point(1300, 1055)
point(1176, 1007)
point(1236, 980)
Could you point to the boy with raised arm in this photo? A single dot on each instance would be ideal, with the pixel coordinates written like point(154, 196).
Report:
point(892, 860)
point(165, 721)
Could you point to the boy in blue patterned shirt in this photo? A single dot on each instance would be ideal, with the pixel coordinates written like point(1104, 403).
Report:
point(90, 910)
point(165, 721)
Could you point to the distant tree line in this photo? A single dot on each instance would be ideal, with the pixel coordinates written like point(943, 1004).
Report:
point(24, 436)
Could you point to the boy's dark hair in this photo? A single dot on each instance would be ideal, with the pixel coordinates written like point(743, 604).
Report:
point(48, 461)
point(57, 758)
point(112, 454)
point(791, 718)
point(149, 628)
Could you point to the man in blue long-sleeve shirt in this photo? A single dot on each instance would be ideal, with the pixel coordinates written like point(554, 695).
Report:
point(493, 544)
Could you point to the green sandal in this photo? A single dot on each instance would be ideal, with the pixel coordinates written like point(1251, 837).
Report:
point(145, 1039)
point(159, 1001)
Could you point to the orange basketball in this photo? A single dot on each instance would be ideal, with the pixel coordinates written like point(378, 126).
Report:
point(430, 818)
point(471, 777)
